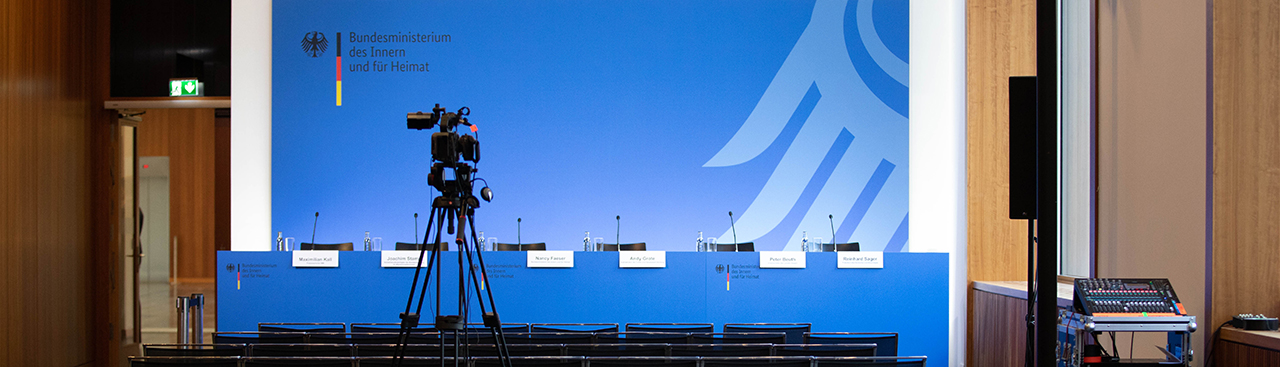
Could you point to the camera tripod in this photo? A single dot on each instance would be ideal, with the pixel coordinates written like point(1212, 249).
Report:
point(453, 206)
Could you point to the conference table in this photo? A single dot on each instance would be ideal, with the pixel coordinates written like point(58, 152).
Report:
point(909, 295)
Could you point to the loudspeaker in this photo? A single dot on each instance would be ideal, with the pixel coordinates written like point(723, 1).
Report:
point(1022, 147)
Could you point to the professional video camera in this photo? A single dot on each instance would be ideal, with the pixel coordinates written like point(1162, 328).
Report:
point(450, 151)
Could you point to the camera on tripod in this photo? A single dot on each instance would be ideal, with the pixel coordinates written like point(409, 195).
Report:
point(450, 151)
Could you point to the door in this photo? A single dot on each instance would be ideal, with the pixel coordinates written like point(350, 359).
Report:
point(131, 223)
point(153, 201)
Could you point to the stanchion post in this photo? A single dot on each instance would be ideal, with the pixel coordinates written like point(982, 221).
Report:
point(197, 317)
point(184, 319)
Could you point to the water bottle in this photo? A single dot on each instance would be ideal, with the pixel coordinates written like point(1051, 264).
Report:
point(701, 246)
point(480, 242)
point(368, 242)
point(279, 241)
point(586, 242)
point(804, 241)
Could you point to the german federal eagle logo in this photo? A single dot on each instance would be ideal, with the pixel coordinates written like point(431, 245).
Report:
point(314, 43)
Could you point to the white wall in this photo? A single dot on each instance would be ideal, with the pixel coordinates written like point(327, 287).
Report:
point(938, 222)
point(251, 125)
point(937, 138)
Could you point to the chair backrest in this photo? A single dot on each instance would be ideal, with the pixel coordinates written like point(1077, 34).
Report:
point(300, 350)
point(184, 361)
point(639, 246)
point(574, 328)
point(254, 338)
point(552, 338)
point(721, 350)
point(507, 327)
point(671, 327)
point(795, 331)
point(830, 350)
point(444, 246)
point(886, 343)
point(738, 338)
point(193, 350)
point(616, 350)
point(755, 361)
point(736, 247)
point(326, 246)
point(888, 361)
point(319, 361)
point(312, 327)
point(642, 337)
point(540, 246)
point(851, 246)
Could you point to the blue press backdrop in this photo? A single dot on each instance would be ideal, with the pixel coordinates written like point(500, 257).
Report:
point(669, 114)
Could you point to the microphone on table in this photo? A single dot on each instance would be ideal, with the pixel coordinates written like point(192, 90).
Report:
point(831, 219)
point(617, 233)
point(518, 231)
point(313, 230)
point(735, 232)
point(415, 227)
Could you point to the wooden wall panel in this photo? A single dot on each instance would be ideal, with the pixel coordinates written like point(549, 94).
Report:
point(48, 86)
point(1229, 354)
point(187, 137)
point(997, 329)
point(1000, 42)
point(1246, 158)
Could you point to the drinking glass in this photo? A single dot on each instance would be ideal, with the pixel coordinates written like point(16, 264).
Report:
point(288, 243)
point(711, 244)
point(377, 243)
point(599, 244)
point(816, 245)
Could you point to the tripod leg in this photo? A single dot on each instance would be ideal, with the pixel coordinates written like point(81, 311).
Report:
point(407, 320)
point(500, 339)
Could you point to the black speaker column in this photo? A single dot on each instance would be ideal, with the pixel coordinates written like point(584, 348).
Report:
point(1022, 147)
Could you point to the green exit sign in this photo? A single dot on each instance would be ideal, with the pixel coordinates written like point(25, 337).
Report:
point(184, 87)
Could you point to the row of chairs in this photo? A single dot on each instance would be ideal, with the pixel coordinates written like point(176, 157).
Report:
point(569, 333)
point(568, 350)
point(539, 361)
point(540, 246)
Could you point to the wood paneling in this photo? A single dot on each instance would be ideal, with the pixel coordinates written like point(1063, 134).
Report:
point(1229, 354)
point(1000, 42)
point(187, 137)
point(49, 81)
point(998, 331)
point(1246, 159)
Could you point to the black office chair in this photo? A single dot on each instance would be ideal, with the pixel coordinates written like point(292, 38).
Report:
point(232, 337)
point(736, 247)
point(540, 246)
point(623, 247)
point(444, 246)
point(721, 350)
point(738, 338)
point(829, 350)
point(300, 350)
point(643, 361)
point(321, 246)
point(795, 331)
point(297, 361)
point(886, 343)
point(539, 361)
point(616, 350)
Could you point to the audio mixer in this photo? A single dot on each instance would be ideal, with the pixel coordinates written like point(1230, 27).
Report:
point(1126, 297)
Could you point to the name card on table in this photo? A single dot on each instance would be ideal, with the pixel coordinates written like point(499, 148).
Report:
point(860, 259)
point(782, 260)
point(642, 259)
point(548, 259)
point(315, 259)
point(401, 259)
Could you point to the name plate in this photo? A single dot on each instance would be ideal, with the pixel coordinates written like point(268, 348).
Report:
point(860, 259)
point(642, 259)
point(549, 259)
point(315, 259)
point(401, 259)
point(782, 260)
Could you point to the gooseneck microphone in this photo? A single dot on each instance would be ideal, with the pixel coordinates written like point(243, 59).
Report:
point(518, 231)
point(831, 219)
point(415, 227)
point(617, 233)
point(313, 230)
point(735, 231)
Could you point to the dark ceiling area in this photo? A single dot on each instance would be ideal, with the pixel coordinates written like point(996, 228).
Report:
point(155, 40)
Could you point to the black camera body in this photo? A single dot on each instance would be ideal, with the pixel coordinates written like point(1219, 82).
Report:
point(450, 151)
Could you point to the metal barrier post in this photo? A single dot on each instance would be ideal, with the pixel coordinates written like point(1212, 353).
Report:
point(197, 317)
point(184, 319)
